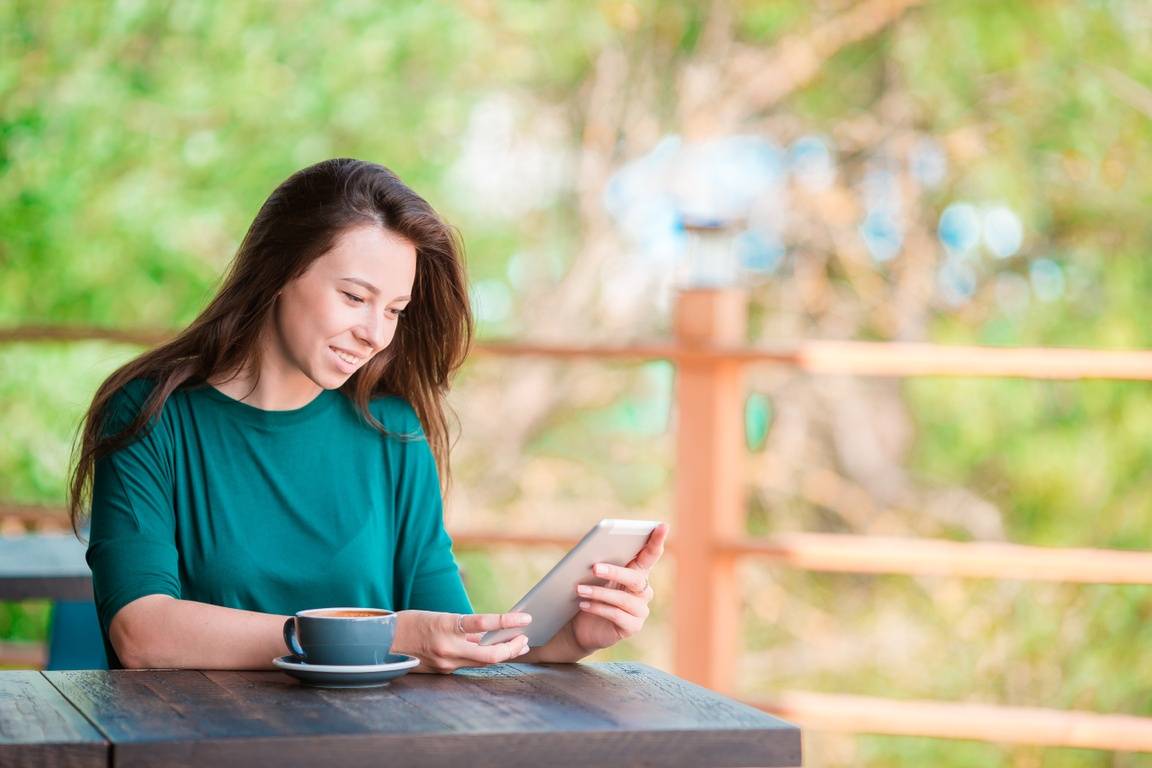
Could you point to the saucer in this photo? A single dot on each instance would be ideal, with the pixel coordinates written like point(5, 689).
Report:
point(347, 676)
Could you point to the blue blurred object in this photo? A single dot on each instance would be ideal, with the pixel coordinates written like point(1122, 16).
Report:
point(757, 421)
point(929, 163)
point(761, 251)
point(813, 162)
point(959, 228)
point(74, 640)
point(882, 236)
point(711, 258)
point(723, 178)
point(880, 188)
point(1003, 232)
point(1047, 279)
point(957, 279)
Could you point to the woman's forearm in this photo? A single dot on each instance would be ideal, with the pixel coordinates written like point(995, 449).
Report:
point(163, 632)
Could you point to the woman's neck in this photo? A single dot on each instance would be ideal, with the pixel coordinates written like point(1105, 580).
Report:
point(268, 392)
point(271, 383)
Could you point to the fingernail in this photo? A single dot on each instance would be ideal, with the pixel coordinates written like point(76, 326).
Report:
point(601, 570)
point(522, 618)
point(585, 604)
point(584, 589)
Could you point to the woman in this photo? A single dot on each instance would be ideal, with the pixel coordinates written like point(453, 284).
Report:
point(281, 453)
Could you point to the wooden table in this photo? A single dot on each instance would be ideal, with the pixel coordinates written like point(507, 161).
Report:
point(614, 714)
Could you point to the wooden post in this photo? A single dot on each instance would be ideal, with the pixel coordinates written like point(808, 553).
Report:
point(709, 505)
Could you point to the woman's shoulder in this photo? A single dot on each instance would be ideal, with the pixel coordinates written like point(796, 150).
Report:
point(134, 391)
point(125, 404)
point(396, 414)
point(130, 397)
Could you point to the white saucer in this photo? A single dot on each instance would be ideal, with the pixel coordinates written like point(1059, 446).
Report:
point(347, 676)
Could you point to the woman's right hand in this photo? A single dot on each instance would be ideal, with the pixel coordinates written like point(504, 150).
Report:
point(445, 642)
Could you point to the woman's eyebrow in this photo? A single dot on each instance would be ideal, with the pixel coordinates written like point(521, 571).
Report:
point(364, 283)
point(374, 290)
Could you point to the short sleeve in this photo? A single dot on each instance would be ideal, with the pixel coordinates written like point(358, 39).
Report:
point(132, 543)
point(427, 576)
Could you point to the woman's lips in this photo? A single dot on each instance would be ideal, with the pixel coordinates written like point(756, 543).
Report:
point(345, 361)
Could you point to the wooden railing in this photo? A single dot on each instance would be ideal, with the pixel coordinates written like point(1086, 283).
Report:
point(855, 358)
point(709, 532)
point(817, 552)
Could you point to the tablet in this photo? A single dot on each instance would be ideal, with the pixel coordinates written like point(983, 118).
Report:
point(553, 601)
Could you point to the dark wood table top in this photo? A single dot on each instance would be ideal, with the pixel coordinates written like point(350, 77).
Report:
point(49, 566)
point(39, 727)
point(612, 714)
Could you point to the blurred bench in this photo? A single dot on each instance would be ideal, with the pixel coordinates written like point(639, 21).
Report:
point(52, 567)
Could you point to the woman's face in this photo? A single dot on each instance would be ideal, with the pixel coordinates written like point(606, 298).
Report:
point(344, 309)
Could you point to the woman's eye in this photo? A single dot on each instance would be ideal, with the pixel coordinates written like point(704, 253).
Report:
point(353, 297)
point(397, 313)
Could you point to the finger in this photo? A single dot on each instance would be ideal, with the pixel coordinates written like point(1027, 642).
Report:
point(626, 623)
point(629, 602)
point(653, 549)
point(495, 654)
point(633, 579)
point(486, 622)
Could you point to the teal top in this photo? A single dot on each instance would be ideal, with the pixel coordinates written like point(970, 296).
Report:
point(273, 511)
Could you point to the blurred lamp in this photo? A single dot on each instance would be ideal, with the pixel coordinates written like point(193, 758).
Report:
point(711, 259)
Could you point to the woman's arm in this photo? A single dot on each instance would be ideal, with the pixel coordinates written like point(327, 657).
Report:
point(159, 631)
point(162, 632)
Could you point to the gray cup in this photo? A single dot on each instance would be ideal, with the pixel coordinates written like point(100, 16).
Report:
point(333, 636)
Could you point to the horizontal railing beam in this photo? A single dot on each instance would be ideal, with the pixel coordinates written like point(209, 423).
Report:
point(835, 553)
point(983, 722)
point(847, 553)
point(489, 539)
point(882, 359)
point(857, 358)
point(34, 655)
point(39, 334)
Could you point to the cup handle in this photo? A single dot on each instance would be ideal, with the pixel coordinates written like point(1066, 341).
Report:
point(290, 637)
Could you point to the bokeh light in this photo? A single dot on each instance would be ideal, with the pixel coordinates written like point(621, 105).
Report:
point(492, 301)
point(928, 163)
point(1047, 279)
point(1002, 231)
point(813, 163)
point(957, 279)
point(959, 227)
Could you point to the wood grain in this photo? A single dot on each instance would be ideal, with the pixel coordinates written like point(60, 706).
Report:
point(504, 715)
point(38, 727)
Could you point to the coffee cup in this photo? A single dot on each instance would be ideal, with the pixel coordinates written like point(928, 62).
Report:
point(341, 636)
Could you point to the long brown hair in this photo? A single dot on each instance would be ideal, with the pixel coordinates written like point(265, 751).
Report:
point(298, 223)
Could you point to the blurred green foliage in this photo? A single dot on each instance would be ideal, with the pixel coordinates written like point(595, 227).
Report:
point(137, 140)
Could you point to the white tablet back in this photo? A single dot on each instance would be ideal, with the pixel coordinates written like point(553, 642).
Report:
point(553, 601)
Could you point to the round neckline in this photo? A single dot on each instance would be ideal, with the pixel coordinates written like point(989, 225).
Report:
point(252, 414)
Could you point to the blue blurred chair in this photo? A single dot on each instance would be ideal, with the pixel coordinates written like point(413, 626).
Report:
point(52, 566)
point(74, 640)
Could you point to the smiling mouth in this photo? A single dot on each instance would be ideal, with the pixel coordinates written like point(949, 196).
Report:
point(350, 359)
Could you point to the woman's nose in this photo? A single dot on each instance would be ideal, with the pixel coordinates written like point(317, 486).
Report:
point(375, 334)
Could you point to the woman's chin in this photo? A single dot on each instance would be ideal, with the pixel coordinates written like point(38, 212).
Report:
point(330, 379)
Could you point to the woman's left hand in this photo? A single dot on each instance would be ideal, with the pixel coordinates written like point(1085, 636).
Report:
point(619, 609)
